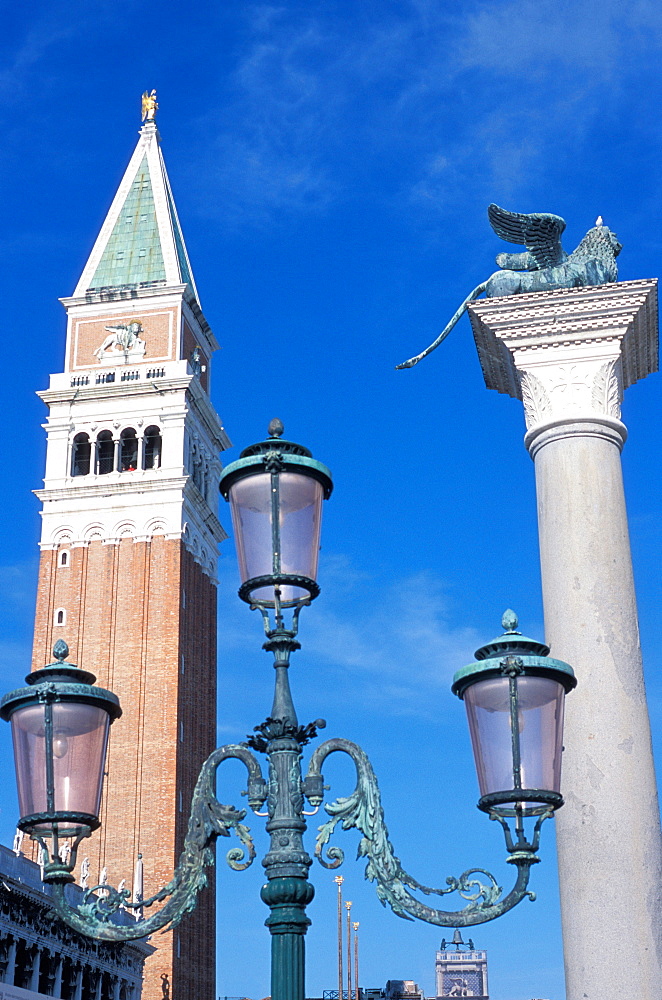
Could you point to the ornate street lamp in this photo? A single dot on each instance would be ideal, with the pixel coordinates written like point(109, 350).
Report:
point(275, 491)
point(60, 726)
point(514, 697)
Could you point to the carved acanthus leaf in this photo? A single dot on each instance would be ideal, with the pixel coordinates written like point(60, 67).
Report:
point(537, 405)
point(606, 392)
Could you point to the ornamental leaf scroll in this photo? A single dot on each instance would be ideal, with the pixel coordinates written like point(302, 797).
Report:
point(363, 810)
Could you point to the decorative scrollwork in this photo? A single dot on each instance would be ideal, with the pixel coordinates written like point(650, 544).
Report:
point(363, 810)
point(275, 729)
point(476, 891)
point(273, 461)
point(102, 901)
point(209, 819)
point(241, 858)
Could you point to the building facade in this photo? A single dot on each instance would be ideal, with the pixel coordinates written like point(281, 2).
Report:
point(461, 970)
point(40, 956)
point(129, 541)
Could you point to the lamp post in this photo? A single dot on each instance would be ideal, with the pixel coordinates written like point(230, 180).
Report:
point(348, 907)
point(339, 881)
point(355, 925)
point(513, 693)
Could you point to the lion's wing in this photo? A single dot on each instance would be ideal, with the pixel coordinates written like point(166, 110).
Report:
point(540, 232)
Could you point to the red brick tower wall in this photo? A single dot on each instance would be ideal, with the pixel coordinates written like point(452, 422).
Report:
point(142, 617)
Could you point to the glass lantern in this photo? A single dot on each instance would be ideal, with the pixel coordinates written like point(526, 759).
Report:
point(514, 696)
point(60, 726)
point(275, 490)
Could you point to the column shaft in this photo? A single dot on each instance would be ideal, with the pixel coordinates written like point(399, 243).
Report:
point(569, 354)
point(11, 963)
point(609, 844)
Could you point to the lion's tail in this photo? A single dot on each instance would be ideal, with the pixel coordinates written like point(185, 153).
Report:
point(478, 290)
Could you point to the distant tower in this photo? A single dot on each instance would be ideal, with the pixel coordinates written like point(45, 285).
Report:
point(130, 535)
point(461, 970)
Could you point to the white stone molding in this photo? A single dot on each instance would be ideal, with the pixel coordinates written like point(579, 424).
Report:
point(606, 428)
point(63, 536)
point(571, 352)
point(124, 529)
point(141, 503)
point(157, 526)
point(200, 531)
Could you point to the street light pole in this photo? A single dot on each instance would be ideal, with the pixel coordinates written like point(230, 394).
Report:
point(513, 693)
point(348, 907)
point(339, 881)
point(355, 925)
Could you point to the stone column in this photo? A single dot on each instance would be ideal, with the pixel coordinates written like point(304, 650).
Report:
point(58, 959)
point(568, 354)
point(33, 982)
point(78, 985)
point(11, 961)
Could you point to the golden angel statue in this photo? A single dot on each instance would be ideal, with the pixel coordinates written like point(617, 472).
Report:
point(149, 106)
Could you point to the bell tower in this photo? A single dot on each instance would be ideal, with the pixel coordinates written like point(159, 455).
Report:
point(129, 540)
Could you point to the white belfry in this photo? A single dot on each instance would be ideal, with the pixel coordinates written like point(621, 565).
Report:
point(568, 354)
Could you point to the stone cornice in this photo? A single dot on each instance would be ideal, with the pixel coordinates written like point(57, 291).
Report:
point(599, 321)
point(571, 352)
point(122, 294)
point(126, 488)
point(111, 390)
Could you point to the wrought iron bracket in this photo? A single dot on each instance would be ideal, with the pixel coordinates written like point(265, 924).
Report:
point(209, 820)
point(363, 811)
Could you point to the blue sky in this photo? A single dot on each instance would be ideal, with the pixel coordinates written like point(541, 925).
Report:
point(332, 163)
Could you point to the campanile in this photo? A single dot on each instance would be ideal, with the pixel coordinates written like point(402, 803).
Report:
point(129, 540)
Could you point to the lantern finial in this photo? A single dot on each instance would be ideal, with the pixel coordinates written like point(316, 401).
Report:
point(60, 650)
point(509, 621)
point(275, 429)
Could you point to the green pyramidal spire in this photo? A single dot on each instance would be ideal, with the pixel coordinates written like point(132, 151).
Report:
point(140, 243)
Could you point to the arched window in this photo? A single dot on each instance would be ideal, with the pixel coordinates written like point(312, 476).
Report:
point(80, 457)
point(152, 449)
point(128, 450)
point(105, 453)
point(60, 617)
point(64, 558)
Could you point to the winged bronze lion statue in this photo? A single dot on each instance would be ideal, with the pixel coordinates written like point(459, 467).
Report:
point(544, 266)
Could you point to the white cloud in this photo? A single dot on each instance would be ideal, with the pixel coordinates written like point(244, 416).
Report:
point(525, 38)
point(42, 35)
point(395, 638)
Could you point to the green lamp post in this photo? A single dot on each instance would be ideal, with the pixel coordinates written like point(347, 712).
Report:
point(513, 694)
